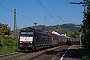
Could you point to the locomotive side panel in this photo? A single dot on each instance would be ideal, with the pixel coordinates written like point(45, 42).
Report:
point(43, 40)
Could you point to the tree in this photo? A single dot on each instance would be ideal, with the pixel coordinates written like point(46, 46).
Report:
point(74, 34)
point(57, 27)
point(86, 23)
point(4, 29)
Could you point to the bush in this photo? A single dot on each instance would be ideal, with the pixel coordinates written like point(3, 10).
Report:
point(84, 53)
point(1, 41)
point(11, 42)
point(8, 45)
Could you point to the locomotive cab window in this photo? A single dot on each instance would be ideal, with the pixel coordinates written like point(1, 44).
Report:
point(29, 32)
point(23, 32)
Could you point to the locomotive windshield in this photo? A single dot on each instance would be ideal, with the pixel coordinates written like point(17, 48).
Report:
point(30, 33)
point(23, 32)
point(26, 37)
point(26, 33)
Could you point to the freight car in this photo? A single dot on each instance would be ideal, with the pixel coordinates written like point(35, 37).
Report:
point(56, 39)
point(73, 40)
point(32, 39)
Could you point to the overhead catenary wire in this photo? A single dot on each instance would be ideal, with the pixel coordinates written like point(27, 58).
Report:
point(52, 8)
point(26, 9)
point(16, 13)
point(46, 19)
point(54, 11)
point(34, 13)
point(46, 11)
point(23, 8)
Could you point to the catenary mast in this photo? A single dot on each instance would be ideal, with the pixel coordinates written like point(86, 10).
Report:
point(15, 25)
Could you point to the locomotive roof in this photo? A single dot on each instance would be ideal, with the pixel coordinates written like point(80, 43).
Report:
point(42, 32)
point(33, 29)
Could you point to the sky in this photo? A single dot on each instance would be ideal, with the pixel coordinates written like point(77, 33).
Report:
point(42, 12)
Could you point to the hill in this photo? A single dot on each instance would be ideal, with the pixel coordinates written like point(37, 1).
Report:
point(68, 27)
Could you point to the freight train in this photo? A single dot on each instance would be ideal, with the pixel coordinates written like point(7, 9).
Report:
point(34, 39)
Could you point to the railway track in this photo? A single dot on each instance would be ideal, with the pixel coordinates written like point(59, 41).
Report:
point(52, 54)
point(55, 53)
point(26, 55)
point(12, 55)
point(63, 53)
point(34, 55)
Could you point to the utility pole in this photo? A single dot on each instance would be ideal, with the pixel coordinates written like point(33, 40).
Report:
point(84, 4)
point(15, 25)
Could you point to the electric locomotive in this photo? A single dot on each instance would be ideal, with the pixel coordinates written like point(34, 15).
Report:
point(32, 39)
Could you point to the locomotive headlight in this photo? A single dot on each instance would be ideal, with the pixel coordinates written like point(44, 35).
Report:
point(30, 42)
point(20, 42)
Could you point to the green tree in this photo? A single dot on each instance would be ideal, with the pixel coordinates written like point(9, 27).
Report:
point(4, 29)
point(1, 39)
point(86, 23)
point(71, 34)
point(58, 27)
point(74, 34)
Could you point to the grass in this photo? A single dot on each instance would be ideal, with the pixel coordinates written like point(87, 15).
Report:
point(7, 50)
point(84, 53)
point(8, 45)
